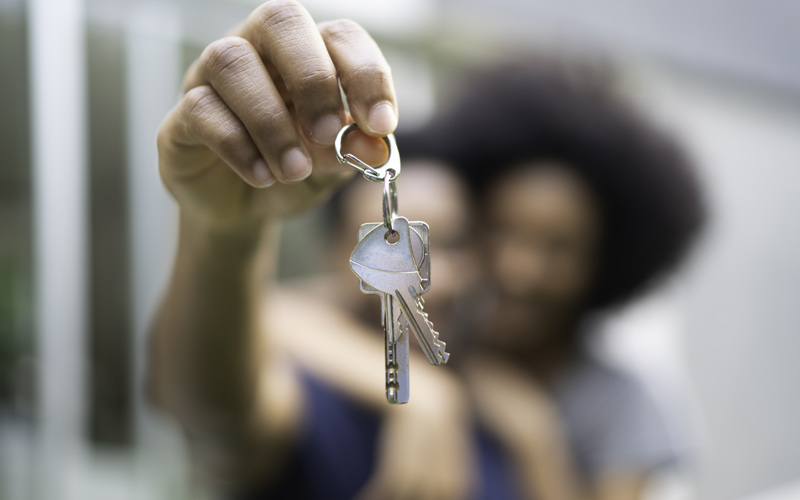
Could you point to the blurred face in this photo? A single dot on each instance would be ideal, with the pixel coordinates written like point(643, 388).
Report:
point(543, 229)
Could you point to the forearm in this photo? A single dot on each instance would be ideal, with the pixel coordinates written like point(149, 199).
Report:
point(548, 474)
point(206, 347)
point(348, 354)
point(545, 468)
point(524, 418)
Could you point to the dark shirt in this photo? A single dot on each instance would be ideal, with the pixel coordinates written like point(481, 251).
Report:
point(610, 419)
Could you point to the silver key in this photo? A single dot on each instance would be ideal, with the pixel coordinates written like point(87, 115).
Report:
point(398, 385)
point(420, 248)
point(391, 269)
point(397, 379)
point(402, 283)
point(396, 334)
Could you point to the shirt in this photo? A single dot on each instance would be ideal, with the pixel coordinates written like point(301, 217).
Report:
point(611, 421)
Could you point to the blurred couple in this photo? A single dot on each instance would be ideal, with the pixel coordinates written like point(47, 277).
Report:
point(550, 200)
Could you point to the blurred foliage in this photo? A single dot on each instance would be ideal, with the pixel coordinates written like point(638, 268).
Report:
point(16, 314)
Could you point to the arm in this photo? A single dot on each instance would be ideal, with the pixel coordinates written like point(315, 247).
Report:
point(207, 351)
point(523, 418)
point(334, 345)
point(248, 144)
point(347, 353)
point(547, 474)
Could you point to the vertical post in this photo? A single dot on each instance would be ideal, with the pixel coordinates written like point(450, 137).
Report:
point(153, 49)
point(57, 75)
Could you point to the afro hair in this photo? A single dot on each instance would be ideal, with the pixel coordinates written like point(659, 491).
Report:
point(650, 201)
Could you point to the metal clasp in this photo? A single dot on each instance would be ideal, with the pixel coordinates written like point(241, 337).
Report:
point(389, 203)
point(390, 169)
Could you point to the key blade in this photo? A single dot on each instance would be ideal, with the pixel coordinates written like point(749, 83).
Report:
point(422, 327)
point(397, 379)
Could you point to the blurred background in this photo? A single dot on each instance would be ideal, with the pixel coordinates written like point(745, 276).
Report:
point(86, 229)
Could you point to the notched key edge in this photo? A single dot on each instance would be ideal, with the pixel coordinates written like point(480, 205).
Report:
point(434, 357)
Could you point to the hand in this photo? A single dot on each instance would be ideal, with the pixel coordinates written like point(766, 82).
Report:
point(513, 406)
point(262, 109)
point(523, 418)
point(425, 448)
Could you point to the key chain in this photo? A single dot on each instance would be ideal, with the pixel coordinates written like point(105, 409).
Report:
point(392, 260)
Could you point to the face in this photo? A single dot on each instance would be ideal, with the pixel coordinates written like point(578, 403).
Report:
point(543, 228)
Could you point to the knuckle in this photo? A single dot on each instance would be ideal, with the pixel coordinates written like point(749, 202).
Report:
point(226, 53)
point(279, 13)
point(163, 138)
point(163, 141)
point(234, 145)
point(315, 77)
point(377, 71)
point(341, 30)
point(274, 127)
point(197, 101)
point(269, 122)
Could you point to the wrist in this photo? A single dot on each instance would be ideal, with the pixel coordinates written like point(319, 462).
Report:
point(245, 234)
point(245, 245)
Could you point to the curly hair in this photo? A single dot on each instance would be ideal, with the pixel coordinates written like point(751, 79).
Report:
point(650, 201)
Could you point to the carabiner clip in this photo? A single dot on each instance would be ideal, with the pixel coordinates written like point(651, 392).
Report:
point(390, 169)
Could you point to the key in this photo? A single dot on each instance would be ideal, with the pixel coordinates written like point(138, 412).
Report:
point(420, 248)
point(398, 271)
point(398, 385)
point(390, 268)
point(396, 334)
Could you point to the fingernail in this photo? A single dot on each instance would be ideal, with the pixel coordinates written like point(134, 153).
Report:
point(325, 130)
point(261, 174)
point(382, 119)
point(295, 165)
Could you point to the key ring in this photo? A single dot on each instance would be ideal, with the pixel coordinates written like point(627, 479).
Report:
point(390, 169)
point(389, 202)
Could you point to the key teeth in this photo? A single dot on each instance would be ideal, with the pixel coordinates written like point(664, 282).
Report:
point(441, 345)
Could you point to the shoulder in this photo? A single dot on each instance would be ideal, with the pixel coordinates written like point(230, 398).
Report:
point(616, 421)
point(599, 384)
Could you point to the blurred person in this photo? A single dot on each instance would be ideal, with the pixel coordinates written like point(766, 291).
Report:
point(582, 205)
point(429, 191)
point(311, 318)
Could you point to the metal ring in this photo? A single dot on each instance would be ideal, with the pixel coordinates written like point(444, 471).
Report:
point(389, 202)
point(391, 168)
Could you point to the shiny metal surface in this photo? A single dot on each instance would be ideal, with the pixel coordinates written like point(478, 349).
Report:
point(390, 169)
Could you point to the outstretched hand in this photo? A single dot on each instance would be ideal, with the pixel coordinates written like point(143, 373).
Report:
point(261, 109)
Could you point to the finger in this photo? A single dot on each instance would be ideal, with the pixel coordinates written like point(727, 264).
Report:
point(368, 149)
point(203, 119)
point(365, 76)
point(235, 70)
point(285, 35)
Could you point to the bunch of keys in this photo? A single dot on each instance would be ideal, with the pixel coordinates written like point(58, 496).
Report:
point(392, 260)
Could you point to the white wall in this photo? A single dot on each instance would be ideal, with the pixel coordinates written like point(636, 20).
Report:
point(740, 301)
